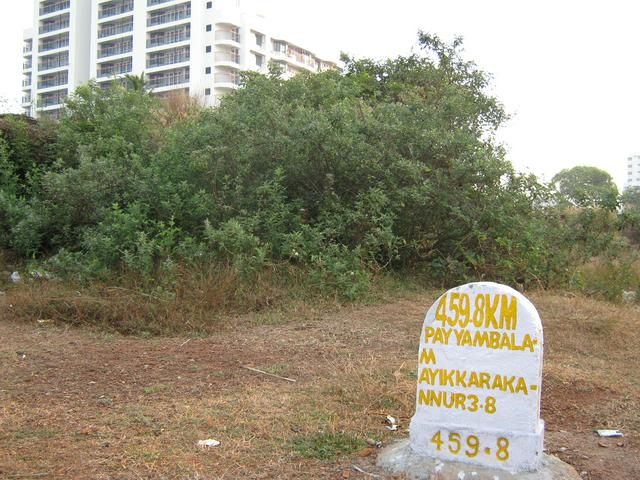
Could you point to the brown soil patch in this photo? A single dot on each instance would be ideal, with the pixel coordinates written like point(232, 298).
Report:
point(80, 404)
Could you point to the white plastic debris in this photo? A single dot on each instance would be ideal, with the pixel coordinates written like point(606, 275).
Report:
point(629, 297)
point(392, 423)
point(609, 433)
point(209, 443)
point(15, 277)
point(40, 275)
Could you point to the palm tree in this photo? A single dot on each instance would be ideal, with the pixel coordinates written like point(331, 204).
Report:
point(137, 83)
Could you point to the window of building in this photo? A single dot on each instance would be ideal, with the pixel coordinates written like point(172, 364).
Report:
point(209, 4)
point(207, 91)
point(259, 39)
point(279, 46)
point(209, 28)
point(207, 70)
point(259, 60)
point(208, 49)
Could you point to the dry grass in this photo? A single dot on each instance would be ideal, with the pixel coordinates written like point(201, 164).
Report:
point(85, 404)
point(191, 301)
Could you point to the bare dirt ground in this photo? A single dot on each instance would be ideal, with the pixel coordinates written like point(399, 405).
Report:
point(77, 403)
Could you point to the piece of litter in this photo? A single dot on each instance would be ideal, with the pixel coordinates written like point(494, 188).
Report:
point(603, 445)
point(359, 470)
point(374, 443)
point(208, 443)
point(15, 277)
point(269, 374)
point(609, 433)
point(393, 423)
point(461, 475)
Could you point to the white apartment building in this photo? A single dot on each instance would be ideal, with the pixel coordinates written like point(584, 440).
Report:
point(633, 171)
point(197, 47)
point(55, 52)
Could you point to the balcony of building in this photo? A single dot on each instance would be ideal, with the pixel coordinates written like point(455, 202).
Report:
point(115, 47)
point(227, 34)
point(228, 57)
point(115, 67)
point(54, 61)
point(224, 78)
point(169, 78)
point(296, 56)
point(27, 65)
point(54, 24)
point(53, 80)
point(115, 7)
point(153, 3)
point(54, 43)
point(26, 99)
point(48, 7)
point(26, 81)
point(27, 47)
point(171, 14)
point(158, 38)
point(51, 99)
point(117, 27)
point(172, 56)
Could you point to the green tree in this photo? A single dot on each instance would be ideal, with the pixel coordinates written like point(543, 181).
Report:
point(587, 187)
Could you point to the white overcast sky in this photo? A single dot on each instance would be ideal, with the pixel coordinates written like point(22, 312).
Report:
point(567, 70)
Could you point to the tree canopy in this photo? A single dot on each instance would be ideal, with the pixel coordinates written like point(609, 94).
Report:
point(585, 186)
point(387, 165)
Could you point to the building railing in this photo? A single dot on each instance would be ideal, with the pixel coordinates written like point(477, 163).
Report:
point(26, 99)
point(46, 46)
point(232, 35)
point(108, 30)
point(27, 65)
point(54, 7)
point(115, 50)
point(233, 57)
point(167, 59)
point(173, 36)
point(53, 63)
point(28, 46)
point(168, 79)
point(53, 82)
point(108, 10)
point(26, 82)
point(151, 3)
point(53, 26)
point(169, 17)
point(50, 100)
point(115, 69)
point(226, 78)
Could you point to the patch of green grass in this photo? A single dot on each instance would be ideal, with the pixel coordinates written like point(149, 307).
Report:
point(277, 369)
point(155, 388)
point(39, 434)
point(327, 446)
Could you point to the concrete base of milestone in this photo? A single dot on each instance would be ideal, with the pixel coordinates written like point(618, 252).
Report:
point(400, 459)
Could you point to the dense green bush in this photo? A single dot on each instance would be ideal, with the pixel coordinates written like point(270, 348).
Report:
point(387, 165)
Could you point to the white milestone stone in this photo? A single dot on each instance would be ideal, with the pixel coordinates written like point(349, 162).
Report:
point(479, 380)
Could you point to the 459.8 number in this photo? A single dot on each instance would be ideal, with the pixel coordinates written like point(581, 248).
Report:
point(472, 447)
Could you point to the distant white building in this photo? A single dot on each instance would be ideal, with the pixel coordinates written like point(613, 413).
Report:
point(197, 47)
point(633, 171)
